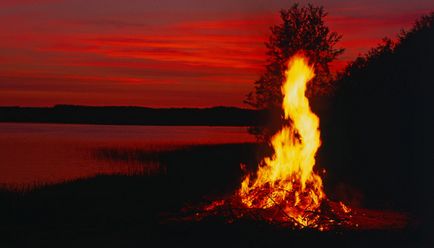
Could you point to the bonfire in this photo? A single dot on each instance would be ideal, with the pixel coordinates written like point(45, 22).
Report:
point(286, 190)
point(286, 180)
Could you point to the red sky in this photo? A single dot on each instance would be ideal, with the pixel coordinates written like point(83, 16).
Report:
point(165, 53)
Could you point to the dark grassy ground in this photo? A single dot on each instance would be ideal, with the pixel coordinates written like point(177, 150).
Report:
point(128, 211)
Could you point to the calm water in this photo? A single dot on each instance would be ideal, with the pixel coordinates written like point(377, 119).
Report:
point(48, 153)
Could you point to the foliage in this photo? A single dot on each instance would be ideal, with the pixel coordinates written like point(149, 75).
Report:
point(302, 29)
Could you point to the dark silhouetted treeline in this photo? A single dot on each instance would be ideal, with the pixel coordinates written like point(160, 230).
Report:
point(216, 116)
point(380, 139)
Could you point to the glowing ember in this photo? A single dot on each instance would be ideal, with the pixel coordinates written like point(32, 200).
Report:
point(287, 179)
point(345, 208)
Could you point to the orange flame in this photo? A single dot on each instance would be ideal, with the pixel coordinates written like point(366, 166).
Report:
point(286, 179)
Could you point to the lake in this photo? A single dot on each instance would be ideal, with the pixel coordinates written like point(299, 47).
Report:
point(35, 154)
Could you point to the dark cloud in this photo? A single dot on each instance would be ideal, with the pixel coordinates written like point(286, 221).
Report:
point(161, 53)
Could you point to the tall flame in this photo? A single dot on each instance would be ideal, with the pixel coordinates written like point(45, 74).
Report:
point(286, 179)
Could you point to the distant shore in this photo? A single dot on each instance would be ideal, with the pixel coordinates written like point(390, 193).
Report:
point(117, 115)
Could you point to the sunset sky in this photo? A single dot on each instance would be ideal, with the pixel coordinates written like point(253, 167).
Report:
point(162, 53)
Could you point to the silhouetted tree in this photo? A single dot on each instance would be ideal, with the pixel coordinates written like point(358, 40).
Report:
point(301, 29)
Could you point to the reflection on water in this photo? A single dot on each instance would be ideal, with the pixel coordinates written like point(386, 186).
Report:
point(47, 153)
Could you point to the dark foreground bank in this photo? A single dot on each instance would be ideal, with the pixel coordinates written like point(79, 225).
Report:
point(129, 211)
